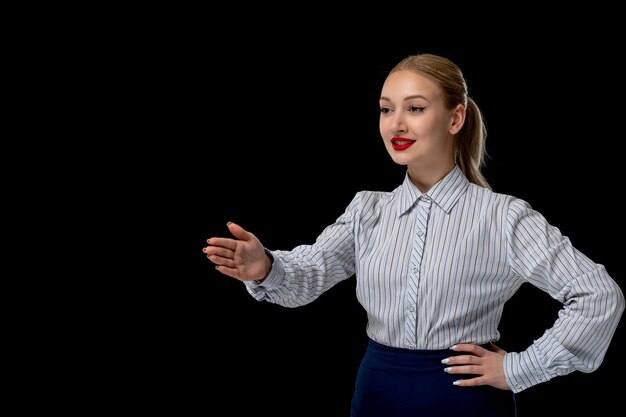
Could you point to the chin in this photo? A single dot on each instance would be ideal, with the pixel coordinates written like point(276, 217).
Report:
point(399, 159)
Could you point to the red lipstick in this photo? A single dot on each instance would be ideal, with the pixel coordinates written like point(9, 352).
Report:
point(400, 144)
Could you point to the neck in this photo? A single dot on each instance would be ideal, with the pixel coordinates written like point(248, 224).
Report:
point(425, 178)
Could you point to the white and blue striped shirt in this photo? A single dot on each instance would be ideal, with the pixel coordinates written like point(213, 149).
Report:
point(434, 269)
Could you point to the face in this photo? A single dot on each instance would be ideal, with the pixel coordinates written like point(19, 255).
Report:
point(417, 128)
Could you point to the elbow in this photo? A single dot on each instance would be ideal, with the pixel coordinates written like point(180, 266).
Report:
point(616, 299)
point(610, 297)
point(615, 303)
point(621, 304)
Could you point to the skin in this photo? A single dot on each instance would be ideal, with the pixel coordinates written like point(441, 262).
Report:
point(412, 108)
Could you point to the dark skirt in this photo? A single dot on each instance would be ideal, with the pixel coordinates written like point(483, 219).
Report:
point(394, 382)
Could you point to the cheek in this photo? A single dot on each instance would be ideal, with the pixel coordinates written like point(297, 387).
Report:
point(383, 127)
point(431, 128)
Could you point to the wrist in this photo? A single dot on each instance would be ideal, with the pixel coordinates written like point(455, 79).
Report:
point(269, 261)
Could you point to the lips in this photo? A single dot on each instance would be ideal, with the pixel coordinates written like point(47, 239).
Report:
point(400, 144)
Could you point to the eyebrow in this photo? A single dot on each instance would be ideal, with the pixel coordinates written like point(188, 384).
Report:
point(407, 98)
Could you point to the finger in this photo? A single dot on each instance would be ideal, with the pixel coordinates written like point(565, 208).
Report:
point(219, 251)
point(462, 360)
point(230, 244)
point(218, 260)
point(464, 369)
point(231, 272)
point(468, 347)
point(239, 232)
point(470, 382)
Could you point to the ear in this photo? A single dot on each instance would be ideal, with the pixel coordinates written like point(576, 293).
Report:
point(457, 119)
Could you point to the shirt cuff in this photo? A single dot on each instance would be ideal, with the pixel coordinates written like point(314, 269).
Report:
point(524, 370)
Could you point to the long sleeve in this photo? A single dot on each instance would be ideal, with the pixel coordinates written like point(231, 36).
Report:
point(301, 275)
point(592, 301)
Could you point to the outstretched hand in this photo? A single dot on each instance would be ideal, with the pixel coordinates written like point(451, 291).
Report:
point(243, 258)
point(487, 364)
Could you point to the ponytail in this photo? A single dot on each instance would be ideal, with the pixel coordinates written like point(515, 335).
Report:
point(470, 149)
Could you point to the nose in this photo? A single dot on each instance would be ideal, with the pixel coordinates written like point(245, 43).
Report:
point(397, 125)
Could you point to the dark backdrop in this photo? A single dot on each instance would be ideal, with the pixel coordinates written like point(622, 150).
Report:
point(278, 134)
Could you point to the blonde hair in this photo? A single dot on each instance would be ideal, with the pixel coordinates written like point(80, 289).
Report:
point(469, 146)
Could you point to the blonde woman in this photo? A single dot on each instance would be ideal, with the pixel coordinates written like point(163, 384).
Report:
point(435, 261)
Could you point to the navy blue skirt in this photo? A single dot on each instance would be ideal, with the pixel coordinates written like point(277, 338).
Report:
point(394, 382)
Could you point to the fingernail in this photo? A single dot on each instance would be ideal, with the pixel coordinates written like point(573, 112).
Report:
point(445, 361)
point(453, 347)
point(456, 383)
point(217, 267)
point(229, 223)
point(448, 369)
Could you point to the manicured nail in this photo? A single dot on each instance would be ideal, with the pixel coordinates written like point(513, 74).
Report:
point(217, 267)
point(453, 347)
point(229, 223)
point(456, 383)
point(448, 369)
point(445, 361)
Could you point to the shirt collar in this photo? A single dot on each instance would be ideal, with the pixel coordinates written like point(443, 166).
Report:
point(444, 193)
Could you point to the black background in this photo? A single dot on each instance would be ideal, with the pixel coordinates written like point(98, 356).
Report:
point(277, 133)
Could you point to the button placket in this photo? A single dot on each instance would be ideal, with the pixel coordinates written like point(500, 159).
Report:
point(422, 211)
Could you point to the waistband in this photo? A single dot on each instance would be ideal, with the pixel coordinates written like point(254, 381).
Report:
point(417, 357)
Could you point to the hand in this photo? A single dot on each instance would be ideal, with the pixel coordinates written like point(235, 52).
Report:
point(487, 364)
point(243, 258)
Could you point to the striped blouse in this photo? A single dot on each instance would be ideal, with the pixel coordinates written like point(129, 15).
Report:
point(434, 269)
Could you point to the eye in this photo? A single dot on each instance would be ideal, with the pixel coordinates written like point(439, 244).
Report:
point(385, 110)
point(415, 109)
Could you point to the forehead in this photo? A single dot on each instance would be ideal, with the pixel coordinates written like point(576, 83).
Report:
point(401, 84)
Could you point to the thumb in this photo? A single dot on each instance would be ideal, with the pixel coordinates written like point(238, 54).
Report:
point(239, 231)
point(497, 349)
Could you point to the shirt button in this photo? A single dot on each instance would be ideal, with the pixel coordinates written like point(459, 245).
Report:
point(420, 233)
point(411, 346)
point(539, 376)
point(518, 386)
point(411, 309)
point(415, 270)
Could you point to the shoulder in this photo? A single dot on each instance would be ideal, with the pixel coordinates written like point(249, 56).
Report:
point(376, 196)
point(493, 198)
point(366, 202)
point(369, 198)
point(499, 206)
point(516, 210)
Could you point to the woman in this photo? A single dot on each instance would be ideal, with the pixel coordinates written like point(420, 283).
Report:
point(435, 261)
